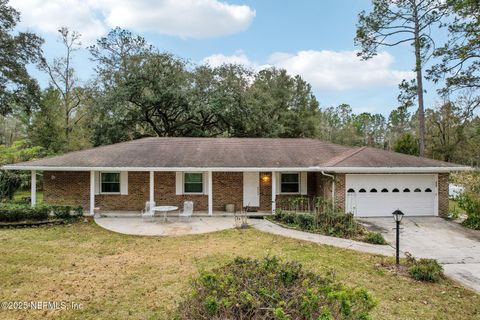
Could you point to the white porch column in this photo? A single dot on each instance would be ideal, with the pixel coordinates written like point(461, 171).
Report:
point(152, 194)
point(274, 191)
point(92, 193)
point(33, 189)
point(210, 193)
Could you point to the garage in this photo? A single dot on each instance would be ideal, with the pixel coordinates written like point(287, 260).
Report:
point(377, 195)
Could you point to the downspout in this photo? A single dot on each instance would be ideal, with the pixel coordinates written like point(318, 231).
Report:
point(333, 186)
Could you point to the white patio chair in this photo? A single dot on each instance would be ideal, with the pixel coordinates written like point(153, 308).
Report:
point(148, 214)
point(187, 210)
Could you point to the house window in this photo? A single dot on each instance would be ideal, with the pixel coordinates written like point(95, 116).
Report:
point(406, 190)
point(110, 182)
point(384, 190)
point(373, 190)
point(428, 190)
point(290, 183)
point(395, 190)
point(351, 190)
point(362, 190)
point(193, 182)
point(417, 190)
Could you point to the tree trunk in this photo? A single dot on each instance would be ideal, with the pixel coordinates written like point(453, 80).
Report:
point(418, 69)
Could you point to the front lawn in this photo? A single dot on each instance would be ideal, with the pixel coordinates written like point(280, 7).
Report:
point(116, 276)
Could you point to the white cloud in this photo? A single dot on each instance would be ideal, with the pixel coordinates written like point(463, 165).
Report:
point(328, 70)
point(217, 60)
point(49, 16)
point(185, 18)
point(341, 70)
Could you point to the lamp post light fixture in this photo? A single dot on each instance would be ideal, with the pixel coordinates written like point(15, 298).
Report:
point(397, 216)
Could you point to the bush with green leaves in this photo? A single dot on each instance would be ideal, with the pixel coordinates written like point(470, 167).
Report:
point(470, 202)
point(333, 224)
point(375, 238)
point(426, 270)
point(272, 289)
point(324, 218)
point(17, 213)
point(23, 212)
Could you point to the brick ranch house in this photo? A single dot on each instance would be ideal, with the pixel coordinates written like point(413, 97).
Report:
point(258, 173)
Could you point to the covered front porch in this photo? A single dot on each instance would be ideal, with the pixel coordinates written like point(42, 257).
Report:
point(219, 193)
point(128, 192)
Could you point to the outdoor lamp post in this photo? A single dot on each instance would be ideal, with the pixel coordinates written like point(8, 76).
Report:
point(397, 216)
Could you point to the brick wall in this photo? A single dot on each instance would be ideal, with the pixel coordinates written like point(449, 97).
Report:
point(138, 193)
point(318, 185)
point(74, 188)
point(324, 188)
point(340, 190)
point(265, 191)
point(66, 187)
point(443, 194)
point(164, 184)
point(227, 189)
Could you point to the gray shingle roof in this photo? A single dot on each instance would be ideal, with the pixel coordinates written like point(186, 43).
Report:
point(231, 153)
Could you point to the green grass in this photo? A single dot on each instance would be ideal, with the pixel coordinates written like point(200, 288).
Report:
point(116, 276)
point(20, 195)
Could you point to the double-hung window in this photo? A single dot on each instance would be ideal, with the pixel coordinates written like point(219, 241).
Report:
point(193, 182)
point(110, 182)
point(290, 183)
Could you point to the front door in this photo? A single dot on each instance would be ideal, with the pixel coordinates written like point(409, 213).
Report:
point(251, 189)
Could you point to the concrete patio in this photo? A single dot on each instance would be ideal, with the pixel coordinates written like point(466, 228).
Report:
point(135, 225)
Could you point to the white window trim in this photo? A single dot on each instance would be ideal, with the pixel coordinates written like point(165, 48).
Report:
point(183, 182)
point(299, 183)
point(119, 183)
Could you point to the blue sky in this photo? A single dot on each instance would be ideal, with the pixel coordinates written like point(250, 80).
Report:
point(310, 37)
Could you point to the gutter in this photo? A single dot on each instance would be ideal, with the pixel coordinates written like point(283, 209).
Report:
point(247, 169)
point(333, 186)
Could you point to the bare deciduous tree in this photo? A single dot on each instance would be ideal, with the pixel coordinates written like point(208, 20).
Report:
point(62, 78)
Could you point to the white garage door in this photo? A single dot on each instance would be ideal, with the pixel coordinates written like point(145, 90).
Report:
point(377, 195)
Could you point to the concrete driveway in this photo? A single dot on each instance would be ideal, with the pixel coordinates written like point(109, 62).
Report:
point(455, 247)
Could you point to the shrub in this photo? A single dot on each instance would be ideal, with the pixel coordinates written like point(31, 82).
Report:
point(426, 270)
point(335, 224)
point(271, 289)
point(16, 213)
point(66, 212)
point(23, 212)
point(61, 212)
point(375, 238)
point(470, 202)
point(305, 221)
